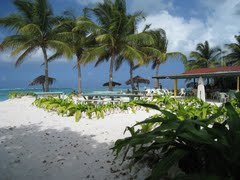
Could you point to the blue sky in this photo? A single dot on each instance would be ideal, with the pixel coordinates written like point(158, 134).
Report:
point(186, 22)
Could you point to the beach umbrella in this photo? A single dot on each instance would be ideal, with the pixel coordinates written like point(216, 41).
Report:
point(113, 84)
point(138, 80)
point(201, 89)
point(41, 80)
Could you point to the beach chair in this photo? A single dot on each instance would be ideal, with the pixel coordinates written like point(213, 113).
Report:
point(223, 97)
point(182, 92)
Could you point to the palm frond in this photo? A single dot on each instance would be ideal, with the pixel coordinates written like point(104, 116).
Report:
point(177, 56)
point(61, 47)
point(23, 56)
point(92, 54)
point(31, 29)
point(132, 54)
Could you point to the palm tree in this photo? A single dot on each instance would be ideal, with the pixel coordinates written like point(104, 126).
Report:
point(34, 25)
point(77, 39)
point(204, 56)
point(114, 34)
point(158, 52)
point(233, 58)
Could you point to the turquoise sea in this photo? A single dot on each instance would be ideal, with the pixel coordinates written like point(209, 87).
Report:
point(5, 92)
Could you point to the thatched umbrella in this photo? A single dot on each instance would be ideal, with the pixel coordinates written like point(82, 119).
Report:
point(138, 80)
point(113, 84)
point(41, 80)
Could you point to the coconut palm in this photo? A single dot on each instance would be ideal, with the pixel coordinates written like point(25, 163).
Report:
point(158, 52)
point(34, 26)
point(233, 58)
point(77, 39)
point(114, 34)
point(204, 57)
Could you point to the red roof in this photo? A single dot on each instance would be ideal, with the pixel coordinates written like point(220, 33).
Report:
point(214, 70)
point(206, 72)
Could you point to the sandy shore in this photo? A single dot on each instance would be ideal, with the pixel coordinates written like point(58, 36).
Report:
point(35, 144)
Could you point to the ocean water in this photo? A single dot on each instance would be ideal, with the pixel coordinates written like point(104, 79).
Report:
point(5, 92)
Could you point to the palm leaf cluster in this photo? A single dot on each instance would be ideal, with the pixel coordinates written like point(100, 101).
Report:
point(158, 53)
point(204, 57)
point(233, 58)
point(115, 34)
point(112, 36)
point(35, 27)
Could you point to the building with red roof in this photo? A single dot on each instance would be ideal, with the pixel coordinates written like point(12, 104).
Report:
point(227, 71)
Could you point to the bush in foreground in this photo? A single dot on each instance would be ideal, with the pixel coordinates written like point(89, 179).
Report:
point(179, 145)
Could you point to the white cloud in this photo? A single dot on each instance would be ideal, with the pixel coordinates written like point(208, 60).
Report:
point(35, 57)
point(5, 56)
point(150, 6)
point(181, 33)
point(219, 28)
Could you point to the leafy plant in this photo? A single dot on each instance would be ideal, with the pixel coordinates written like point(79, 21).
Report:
point(202, 142)
point(90, 110)
point(15, 94)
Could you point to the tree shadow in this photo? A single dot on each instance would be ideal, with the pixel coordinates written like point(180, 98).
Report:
point(29, 152)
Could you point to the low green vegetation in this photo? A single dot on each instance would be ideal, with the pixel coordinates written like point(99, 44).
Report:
point(85, 109)
point(186, 140)
point(15, 94)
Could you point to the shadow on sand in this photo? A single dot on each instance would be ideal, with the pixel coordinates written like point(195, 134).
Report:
point(29, 152)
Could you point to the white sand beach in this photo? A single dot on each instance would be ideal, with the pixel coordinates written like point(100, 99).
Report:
point(36, 144)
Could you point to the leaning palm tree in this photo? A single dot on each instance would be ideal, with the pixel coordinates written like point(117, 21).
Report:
point(204, 57)
point(34, 27)
point(158, 52)
point(233, 58)
point(114, 34)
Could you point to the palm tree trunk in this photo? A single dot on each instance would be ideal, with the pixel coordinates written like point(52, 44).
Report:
point(110, 87)
point(79, 76)
point(131, 75)
point(156, 83)
point(46, 84)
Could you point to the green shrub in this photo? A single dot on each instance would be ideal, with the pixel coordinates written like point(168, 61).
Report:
point(15, 94)
point(69, 108)
point(201, 140)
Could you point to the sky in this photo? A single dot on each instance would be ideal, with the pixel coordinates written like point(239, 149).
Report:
point(186, 22)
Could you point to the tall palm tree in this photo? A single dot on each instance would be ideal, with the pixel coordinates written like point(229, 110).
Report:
point(34, 25)
point(158, 52)
point(77, 39)
point(204, 57)
point(114, 34)
point(233, 58)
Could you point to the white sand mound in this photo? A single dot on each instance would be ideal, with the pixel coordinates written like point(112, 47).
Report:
point(35, 144)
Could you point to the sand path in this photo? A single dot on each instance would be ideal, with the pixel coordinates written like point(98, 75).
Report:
point(35, 144)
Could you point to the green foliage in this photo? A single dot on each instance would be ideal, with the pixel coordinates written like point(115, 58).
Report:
point(35, 28)
point(15, 94)
point(199, 139)
point(233, 58)
point(204, 57)
point(66, 107)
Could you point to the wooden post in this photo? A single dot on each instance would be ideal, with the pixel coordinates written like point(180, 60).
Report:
point(238, 84)
point(175, 87)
